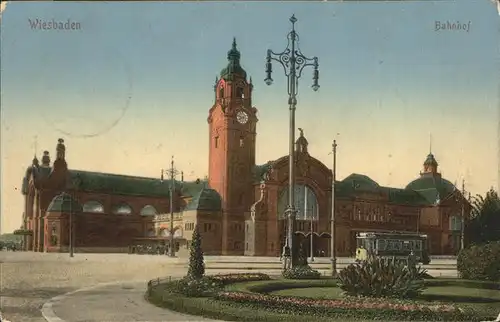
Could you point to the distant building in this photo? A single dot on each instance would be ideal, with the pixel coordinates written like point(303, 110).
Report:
point(239, 210)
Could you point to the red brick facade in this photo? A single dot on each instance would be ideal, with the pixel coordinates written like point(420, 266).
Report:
point(239, 210)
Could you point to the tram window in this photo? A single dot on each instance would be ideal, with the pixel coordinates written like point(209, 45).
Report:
point(370, 244)
point(381, 244)
point(407, 245)
point(359, 242)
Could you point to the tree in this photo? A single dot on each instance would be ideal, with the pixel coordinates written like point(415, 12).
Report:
point(484, 225)
point(196, 261)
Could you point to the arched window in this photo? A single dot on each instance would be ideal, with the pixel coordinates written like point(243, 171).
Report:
point(306, 203)
point(178, 233)
point(122, 209)
point(164, 232)
point(148, 210)
point(455, 223)
point(240, 93)
point(93, 207)
point(151, 233)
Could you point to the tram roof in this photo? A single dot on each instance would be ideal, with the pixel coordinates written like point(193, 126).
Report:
point(395, 234)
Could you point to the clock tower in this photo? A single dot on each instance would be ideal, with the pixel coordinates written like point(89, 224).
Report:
point(232, 130)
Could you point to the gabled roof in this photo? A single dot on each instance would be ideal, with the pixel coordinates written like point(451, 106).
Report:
point(119, 184)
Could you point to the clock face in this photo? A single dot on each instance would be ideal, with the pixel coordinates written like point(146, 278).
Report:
point(242, 117)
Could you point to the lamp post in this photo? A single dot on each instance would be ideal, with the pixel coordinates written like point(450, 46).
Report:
point(311, 222)
point(462, 225)
point(293, 62)
point(172, 173)
point(333, 254)
point(76, 185)
point(71, 241)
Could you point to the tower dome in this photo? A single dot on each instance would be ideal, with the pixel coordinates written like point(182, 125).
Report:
point(233, 66)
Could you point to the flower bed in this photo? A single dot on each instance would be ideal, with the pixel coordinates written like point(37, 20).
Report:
point(222, 304)
point(360, 307)
point(226, 279)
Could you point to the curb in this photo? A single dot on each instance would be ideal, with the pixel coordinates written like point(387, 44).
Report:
point(48, 312)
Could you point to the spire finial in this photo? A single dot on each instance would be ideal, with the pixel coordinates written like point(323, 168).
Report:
point(293, 20)
point(301, 132)
point(430, 143)
point(35, 144)
point(234, 43)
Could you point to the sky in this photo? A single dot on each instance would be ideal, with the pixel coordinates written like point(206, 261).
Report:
point(134, 84)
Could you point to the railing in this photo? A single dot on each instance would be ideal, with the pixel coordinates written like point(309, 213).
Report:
point(152, 284)
point(165, 217)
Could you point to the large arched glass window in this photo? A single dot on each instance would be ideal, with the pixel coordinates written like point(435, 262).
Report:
point(148, 210)
point(455, 223)
point(306, 203)
point(122, 209)
point(93, 207)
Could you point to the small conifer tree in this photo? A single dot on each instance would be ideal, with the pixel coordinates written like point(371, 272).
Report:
point(196, 262)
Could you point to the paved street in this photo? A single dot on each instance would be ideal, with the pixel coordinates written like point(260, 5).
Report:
point(121, 302)
point(29, 280)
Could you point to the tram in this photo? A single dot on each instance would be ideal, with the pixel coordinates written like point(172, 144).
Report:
point(397, 245)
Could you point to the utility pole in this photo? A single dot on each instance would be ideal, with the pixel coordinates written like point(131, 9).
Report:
point(462, 226)
point(172, 172)
point(332, 221)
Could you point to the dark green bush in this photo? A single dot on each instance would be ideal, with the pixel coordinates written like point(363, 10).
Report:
point(196, 261)
point(480, 262)
point(378, 277)
point(301, 272)
point(194, 287)
point(227, 279)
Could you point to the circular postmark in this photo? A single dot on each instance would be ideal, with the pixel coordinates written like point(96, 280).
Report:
point(92, 101)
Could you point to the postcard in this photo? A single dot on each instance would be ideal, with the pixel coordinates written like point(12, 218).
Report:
point(250, 161)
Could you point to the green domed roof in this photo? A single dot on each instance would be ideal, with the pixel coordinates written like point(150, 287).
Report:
point(206, 199)
point(233, 66)
point(432, 187)
point(64, 203)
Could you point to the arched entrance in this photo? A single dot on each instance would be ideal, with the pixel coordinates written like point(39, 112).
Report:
point(307, 216)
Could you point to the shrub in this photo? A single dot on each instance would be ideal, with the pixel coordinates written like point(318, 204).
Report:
point(378, 277)
point(194, 287)
point(226, 279)
point(209, 285)
point(196, 261)
point(301, 272)
point(480, 262)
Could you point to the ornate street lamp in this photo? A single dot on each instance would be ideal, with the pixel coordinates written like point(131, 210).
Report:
point(172, 173)
point(293, 62)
